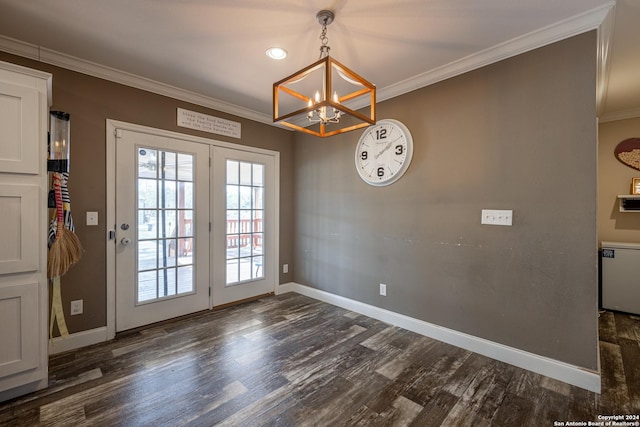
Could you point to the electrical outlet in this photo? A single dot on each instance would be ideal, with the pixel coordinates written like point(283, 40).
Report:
point(285, 268)
point(76, 307)
point(383, 289)
point(497, 217)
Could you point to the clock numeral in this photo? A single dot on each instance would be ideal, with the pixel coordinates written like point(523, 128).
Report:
point(399, 150)
point(381, 133)
point(364, 155)
point(380, 172)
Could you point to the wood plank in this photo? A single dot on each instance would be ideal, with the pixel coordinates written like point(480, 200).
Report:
point(480, 400)
point(630, 352)
point(607, 327)
point(514, 411)
point(615, 394)
point(627, 326)
point(582, 405)
point(291, 360)
point(435, 410)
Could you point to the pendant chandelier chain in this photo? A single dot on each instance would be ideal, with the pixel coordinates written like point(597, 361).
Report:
point(324, 40)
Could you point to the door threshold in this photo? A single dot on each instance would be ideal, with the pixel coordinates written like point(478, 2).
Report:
point(242, 301)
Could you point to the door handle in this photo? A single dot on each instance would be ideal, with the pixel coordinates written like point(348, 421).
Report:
point(125, 241)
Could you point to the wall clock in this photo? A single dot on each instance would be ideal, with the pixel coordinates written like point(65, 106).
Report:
point(384, 152)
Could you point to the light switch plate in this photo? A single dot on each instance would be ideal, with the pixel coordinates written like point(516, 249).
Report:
point(497, 217)
point(77, 307)
point(92, 218)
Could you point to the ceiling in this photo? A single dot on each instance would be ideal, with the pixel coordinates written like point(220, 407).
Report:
point(212, 52)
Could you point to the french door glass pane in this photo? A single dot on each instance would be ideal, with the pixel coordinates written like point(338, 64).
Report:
point(165, 234)
point(185, 168)
point(147, 193)
point(147, 163)
point(245, 210)
point(169, 165)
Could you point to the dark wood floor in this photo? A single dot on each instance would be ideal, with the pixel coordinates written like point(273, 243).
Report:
point(290, 360)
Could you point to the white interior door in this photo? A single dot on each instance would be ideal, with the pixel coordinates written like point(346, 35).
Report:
point(162, 228)
point(243, 244)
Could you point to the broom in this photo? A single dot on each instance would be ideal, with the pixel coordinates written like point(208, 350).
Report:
point(66, 248)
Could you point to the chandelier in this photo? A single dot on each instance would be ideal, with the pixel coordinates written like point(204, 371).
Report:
point(322, 99)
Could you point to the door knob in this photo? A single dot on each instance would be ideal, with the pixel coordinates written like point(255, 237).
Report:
point(125, 241)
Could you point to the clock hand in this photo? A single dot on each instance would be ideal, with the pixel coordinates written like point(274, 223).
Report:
point(387, 147)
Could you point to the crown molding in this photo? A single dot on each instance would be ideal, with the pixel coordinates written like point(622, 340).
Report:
point(632, 113)
point(598, 18)
point(93, 69)
point(19, 48)
point(570, 27)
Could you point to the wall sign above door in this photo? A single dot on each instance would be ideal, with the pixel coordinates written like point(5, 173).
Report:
point(207, 123)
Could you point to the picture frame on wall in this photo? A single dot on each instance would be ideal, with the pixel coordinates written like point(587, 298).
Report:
point(635, 186)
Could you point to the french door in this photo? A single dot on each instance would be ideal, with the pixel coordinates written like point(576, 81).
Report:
point(195, 225)
point(162, 228)
point(243, 240)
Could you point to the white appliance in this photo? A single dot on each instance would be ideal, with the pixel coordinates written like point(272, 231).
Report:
point(621, 277)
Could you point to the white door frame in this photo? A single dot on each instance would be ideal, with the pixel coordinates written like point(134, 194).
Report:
point(112, 126)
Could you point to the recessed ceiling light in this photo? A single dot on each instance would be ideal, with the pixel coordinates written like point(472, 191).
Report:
point(276, 53)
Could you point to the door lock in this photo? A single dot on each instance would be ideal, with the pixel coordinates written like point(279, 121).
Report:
point(125, 241)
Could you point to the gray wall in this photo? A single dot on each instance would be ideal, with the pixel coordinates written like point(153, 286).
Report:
point(519, 134)
point(91, 101)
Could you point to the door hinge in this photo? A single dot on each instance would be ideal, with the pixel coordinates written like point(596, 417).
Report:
point(209, 291)
point(209, 161)
point(118, 133)
point(209, 227)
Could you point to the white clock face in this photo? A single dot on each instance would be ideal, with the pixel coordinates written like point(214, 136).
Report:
point(384, 152)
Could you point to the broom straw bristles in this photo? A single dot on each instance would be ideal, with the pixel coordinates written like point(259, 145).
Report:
point(64, 252)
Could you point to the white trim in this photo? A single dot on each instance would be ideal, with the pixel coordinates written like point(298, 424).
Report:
point(561, 371)
point(48, 77)
point(20, 48)
point(128, 79)
point(78, 340)
point(286, 287)
point(276, 222)
point(111, 226)
point(632, 113)
point(620, 245)
point(111, 127)
point(89, 68)
point(603, 58)
point(575, 25)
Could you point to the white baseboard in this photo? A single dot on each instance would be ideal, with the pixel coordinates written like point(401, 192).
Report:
point(286, 287)
point(94, 336)
point(561, 371)
point(78, 340)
